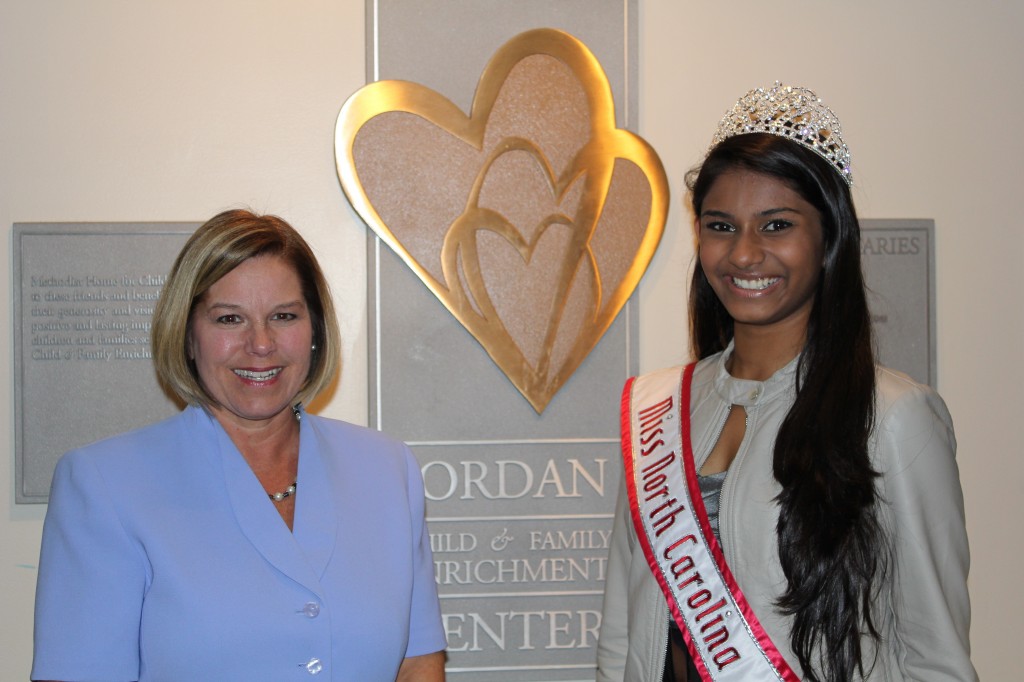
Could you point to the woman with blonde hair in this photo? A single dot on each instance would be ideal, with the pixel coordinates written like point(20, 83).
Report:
point(243, 539)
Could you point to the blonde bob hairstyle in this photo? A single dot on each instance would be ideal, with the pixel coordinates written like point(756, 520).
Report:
point(219, 246)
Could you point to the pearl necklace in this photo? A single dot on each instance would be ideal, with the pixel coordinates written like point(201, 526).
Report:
point(277, 497)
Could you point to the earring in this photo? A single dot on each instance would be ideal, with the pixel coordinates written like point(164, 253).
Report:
point(313, 347)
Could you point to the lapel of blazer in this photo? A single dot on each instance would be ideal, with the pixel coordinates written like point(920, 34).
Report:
point(260, 522)
point(316, 519)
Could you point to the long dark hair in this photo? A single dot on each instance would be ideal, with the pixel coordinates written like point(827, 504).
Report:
point(832, 547)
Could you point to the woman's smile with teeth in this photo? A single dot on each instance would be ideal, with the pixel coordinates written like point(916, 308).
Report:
point(755, 284)
point(258, 376)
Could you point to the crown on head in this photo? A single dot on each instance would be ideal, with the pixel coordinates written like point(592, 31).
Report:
point(793, 113)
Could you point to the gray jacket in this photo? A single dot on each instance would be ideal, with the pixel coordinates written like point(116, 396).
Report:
point(923, 614)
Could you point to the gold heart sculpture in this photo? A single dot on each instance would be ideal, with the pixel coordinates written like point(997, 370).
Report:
point(532, 219)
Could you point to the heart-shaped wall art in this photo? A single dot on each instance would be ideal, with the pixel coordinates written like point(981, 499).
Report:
point(531, 220)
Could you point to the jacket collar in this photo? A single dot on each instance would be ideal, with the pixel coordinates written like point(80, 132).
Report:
point(302, 555)
point(748, 393)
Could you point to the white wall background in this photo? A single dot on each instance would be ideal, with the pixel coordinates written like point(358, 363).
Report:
point(113, 110)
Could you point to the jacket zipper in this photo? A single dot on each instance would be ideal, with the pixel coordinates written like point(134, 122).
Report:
point(718, 435)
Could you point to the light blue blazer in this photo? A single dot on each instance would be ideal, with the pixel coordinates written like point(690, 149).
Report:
point(163, 559)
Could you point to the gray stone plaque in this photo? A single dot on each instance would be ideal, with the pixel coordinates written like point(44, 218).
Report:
point(83, 298)
point(519, 504)
point(899, 268)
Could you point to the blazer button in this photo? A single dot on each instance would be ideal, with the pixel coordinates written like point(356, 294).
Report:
point(311, 609)
point(314, 666)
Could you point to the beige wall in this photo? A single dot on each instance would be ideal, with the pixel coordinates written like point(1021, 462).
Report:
point(121, 111)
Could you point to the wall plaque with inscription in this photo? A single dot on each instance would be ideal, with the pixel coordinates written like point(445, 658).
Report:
point(898, 258)
point(519, 501)
point(519, 505)
point(83, 299)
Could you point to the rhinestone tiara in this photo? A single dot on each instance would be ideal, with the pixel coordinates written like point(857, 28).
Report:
point(790, 112)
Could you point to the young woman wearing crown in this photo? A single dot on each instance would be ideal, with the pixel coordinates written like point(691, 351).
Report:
point(790, 510)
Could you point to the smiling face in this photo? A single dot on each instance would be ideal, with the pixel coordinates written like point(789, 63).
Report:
point(250, 338)
point(761, 248)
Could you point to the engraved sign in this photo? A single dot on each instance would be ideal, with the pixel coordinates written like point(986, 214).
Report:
point(519, 505)
point(83, 299)
point(520, 539)
point(519, 500)
point(898, 258)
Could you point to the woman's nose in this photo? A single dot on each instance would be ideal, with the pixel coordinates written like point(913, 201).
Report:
point(747, 249)
point(261, 340)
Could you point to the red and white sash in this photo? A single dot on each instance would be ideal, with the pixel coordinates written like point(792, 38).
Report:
point(721, 631)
